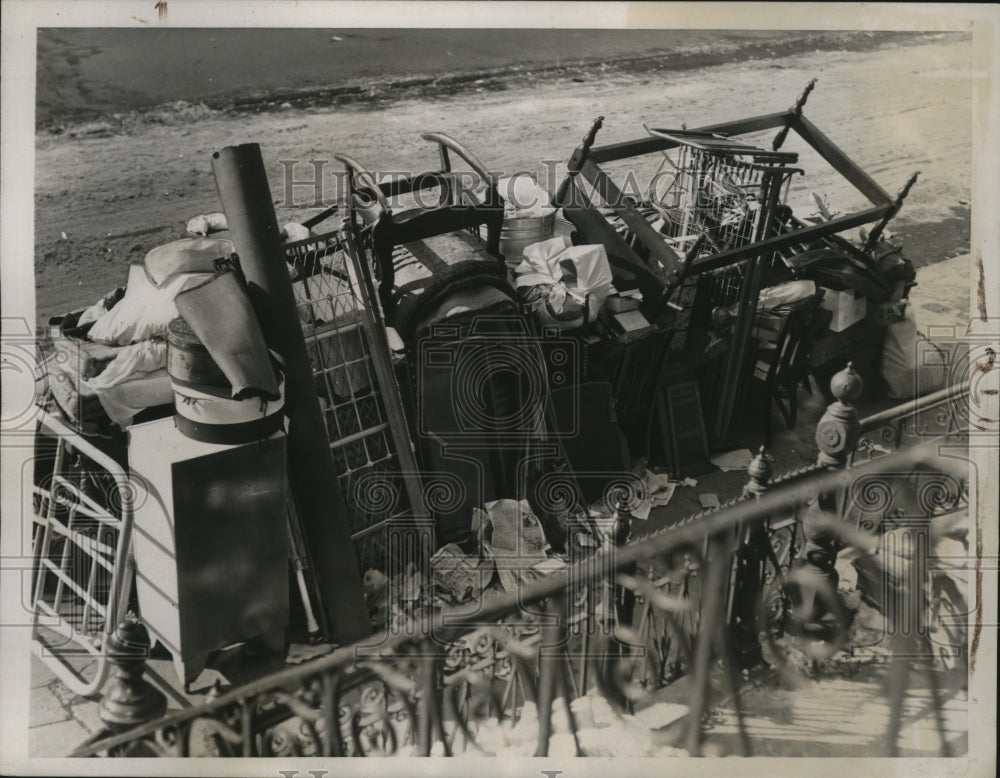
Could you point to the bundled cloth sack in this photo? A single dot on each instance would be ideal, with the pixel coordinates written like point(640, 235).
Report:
point(188, 255)
point(145, 356)
point(912, 365)
point(144, 311)
point(565, 285)
point(133, 380)
point(101, 307)
point(148, 304)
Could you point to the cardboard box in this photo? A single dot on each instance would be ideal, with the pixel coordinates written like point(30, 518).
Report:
point(624, 327)
point(620, 303)
point(846, 306)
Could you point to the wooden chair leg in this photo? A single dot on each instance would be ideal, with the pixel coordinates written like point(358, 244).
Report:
point(793, 405)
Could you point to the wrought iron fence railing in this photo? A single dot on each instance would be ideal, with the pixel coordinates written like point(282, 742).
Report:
point(560, 664)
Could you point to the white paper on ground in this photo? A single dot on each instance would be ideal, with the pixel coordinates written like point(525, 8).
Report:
point(657, 490)
point(737, 459)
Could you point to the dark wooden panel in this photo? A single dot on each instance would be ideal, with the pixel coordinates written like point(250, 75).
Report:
point(231, 548)
point(690, 452)
point(663, 258)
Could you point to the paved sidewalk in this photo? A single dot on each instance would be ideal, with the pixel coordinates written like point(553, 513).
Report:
point(839, 717)
point(942, 296)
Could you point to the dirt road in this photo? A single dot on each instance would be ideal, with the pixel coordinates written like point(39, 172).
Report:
point(895, 109)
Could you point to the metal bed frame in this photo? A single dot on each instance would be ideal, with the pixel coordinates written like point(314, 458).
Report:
point(83, 561)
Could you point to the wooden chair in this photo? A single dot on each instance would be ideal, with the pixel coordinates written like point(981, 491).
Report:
point(457, 214)
point(782, 358)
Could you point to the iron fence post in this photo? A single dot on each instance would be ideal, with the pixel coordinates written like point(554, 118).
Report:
point(749, 565)
point(837, 435)
point(130, 699)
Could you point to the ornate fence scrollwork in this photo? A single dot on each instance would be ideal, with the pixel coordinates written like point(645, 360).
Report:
point(535, 672)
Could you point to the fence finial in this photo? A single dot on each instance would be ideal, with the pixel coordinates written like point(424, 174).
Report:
point(838, 431)
point(130, 699)
point(760, 472)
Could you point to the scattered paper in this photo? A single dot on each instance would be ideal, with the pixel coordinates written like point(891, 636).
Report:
point(657, 490)
point(456, 574)
point(641, 511)
point(737, 459)
point(302, 652)
point(709, 500)
point(511, 536)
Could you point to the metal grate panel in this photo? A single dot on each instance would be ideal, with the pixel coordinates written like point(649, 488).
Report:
point(339, 321)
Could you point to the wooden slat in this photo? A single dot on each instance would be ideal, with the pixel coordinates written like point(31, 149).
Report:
point(667, 259)
point(722, 144)
point(635, 148)
point(365, 433)
point(786, 239)
point(840, 162)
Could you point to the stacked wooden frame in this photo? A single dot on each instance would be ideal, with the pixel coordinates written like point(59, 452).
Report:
point(658, 270)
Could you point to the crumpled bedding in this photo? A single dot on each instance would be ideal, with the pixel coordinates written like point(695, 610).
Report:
point(145, 310)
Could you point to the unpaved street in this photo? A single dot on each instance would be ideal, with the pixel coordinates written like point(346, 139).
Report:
point(894, 109)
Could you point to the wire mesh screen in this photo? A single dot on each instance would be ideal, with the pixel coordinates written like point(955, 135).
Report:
point(705, 193)
point(727, 193)
point(337, 319)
